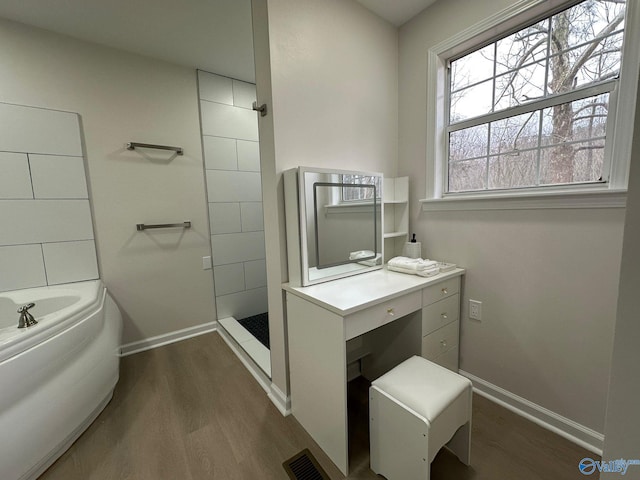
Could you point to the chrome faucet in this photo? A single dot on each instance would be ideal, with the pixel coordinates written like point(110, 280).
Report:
point(26, 319)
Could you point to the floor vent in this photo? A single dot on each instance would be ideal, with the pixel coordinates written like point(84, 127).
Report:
point(304, 466)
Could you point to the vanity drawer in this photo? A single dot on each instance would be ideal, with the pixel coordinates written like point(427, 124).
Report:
point(448, 359)
point(440, 313)
point(378, 315)
point(440, 341)
point(441, 290)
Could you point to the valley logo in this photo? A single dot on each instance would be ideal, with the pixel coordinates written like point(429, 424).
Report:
point(588, 466)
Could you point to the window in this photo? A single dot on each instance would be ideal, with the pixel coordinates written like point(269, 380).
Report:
point(530, 109)
point(534, 109)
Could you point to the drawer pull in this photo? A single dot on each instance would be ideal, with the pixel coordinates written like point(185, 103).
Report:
point(445, 291)
point(390, 311)
point(444, 315)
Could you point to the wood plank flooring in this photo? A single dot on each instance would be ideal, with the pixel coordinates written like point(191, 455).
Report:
point(191, 411)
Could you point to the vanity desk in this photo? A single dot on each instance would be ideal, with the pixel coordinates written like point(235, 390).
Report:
point(323, 320)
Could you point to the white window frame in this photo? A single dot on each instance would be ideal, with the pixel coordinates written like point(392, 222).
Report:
point(621, 120)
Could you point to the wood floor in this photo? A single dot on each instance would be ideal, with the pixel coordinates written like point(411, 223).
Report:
point(191, 411)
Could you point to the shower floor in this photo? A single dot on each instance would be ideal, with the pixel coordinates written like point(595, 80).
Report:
point(258, 326)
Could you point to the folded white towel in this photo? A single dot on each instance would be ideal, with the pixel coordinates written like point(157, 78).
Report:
point(361, 254)
point(416, 264)
point(427, 272)
point(372, 262)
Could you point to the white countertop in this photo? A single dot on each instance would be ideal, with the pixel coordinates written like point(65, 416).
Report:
point(348, 295)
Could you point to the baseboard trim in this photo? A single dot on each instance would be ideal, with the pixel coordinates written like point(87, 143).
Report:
point(572, 431)
point(280, 400)
point(167, 338)
point(254, 370)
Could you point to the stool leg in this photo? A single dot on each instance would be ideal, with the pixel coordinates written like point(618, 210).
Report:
point(399, 440)
point(460, 443)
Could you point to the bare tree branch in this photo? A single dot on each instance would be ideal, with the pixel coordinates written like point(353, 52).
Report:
point(596, 41)
point(519, 64)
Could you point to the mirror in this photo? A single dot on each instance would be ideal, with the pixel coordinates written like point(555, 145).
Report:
point(338, 218)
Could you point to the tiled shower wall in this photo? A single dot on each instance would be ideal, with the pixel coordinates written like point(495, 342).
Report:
point(46, 232)
point(232, 167)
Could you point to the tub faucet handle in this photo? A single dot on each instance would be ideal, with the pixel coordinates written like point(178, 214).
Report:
point(26, 319)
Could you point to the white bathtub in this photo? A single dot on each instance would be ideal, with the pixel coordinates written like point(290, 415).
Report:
point(56, 376)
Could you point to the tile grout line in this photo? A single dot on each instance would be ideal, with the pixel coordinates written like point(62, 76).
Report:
point(44, 265)
point(33, 192)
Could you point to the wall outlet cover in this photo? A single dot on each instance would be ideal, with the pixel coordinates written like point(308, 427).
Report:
point(475, 310)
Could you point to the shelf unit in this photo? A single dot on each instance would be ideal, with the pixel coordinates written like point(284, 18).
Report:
point(396, 215)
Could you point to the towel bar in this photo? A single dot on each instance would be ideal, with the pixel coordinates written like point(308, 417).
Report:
point(133, 145)
point(142, 226)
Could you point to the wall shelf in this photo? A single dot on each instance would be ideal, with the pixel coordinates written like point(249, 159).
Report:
point(396, 215)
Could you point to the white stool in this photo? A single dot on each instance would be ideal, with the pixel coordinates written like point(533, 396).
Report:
point(414, 410)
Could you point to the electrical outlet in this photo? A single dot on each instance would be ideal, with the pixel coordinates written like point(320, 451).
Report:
point(475, 310)
point(206, 263)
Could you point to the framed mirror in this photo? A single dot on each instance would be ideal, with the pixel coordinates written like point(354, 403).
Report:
point(334, 223)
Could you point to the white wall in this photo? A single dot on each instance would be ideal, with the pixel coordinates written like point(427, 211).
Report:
point(327, 70)
point(156, 277)
point(547, 278)
point(232, 170)
point(622, 428)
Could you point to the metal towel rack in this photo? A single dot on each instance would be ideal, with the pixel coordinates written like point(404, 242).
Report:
point(133, 145)
point(142, 226)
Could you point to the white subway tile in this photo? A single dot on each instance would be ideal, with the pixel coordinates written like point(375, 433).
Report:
point(248, 156)
point(237, 247)
point(252, 216)
point(227, 121)
point(21, 266)
point(255, 274)
point(227, 186)
point(242, 304)
point(244, 94)
point(215, 88)
point(38, 130)
point(220, 153)
point(44, 221)
point(15, 181)
point(228, 279)
point(224, 218)
point(55, 176)
point(70, 261)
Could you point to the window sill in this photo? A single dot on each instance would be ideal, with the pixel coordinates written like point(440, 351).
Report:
point(528, 201)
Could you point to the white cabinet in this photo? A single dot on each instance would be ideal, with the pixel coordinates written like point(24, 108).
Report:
point(396, 215)
point(322, 318)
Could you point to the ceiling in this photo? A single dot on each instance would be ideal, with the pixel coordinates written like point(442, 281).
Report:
point(213, 35)
point(396, 12)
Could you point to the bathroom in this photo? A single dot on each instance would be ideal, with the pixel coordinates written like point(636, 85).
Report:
point(369, 98)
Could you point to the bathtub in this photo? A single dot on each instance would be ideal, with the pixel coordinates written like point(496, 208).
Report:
point(56, 376)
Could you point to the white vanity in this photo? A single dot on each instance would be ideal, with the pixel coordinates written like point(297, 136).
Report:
point(346, 314)
point(390, 316)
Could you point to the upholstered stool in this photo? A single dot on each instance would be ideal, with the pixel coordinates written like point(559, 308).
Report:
point(414, 410)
